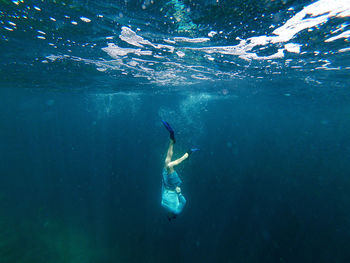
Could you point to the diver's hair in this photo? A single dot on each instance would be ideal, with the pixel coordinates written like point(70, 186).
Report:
point(171, 216)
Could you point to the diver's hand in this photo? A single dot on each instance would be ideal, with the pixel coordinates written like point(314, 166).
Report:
point(178, 189)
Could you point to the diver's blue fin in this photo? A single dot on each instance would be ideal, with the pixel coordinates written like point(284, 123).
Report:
point(170, 130)
point(167, 126)
point(190, 151)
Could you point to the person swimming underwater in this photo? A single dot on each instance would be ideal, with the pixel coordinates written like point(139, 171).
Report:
point(172, 199)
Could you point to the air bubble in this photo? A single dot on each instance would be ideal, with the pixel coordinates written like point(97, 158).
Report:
point(85, 19)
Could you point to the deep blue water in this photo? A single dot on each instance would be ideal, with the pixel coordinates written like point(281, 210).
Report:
point(84, 86)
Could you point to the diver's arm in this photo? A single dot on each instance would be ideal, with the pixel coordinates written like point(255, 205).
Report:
point(178, 161)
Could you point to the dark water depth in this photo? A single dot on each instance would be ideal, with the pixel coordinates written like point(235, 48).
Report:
point(81, 176)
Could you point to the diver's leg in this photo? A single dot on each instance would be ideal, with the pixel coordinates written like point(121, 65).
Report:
point(171, 165)
point(169, 154)
point(181, 159)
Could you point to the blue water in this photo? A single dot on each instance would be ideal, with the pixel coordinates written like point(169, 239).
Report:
point(261, 87)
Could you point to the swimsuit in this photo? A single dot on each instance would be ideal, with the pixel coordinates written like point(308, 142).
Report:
point(172, 201)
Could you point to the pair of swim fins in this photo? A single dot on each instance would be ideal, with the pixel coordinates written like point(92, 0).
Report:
point(172, 136)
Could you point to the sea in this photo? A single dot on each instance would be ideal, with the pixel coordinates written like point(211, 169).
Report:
point(261, 87)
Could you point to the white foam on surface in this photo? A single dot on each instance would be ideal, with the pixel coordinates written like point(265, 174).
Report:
point(191, 40)
point(212, 33)
point(132, 38)
point(292, 47)
point(115, 51)
point(344, 50)
point(174, 60)
point(309, 17)
point(345, 34)
point(180, 54)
